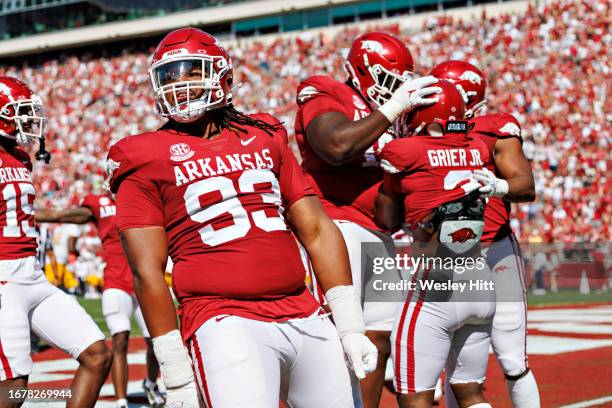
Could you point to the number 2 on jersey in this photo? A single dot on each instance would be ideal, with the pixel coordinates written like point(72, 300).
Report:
point(455, 177)
point(230, 204)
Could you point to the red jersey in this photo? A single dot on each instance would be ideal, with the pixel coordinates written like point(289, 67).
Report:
point(222, 204)
point(490, 128)
point(17, 227)
point(347, 191)
point(430, 171)
point(117, 273)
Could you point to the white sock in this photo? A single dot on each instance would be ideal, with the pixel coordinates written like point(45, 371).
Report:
point(149, 383)
point(121, 402)
point(524, 392)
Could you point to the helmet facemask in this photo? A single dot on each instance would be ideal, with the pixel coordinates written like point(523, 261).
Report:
point(385, 82)
point(479, 108)
point(187, 87)
point(29, 118)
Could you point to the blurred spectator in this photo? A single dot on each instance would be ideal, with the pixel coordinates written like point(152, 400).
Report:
point(548, 67)
point(59, 270)
point(89, 268)
point(540, 265)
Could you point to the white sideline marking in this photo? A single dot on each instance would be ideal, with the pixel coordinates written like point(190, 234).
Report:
point(43, 371)
point(568, 327)
point(595, 315)
point(589, 403)
point(546, 345)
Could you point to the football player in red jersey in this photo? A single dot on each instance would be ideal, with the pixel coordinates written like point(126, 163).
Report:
point(507, 178)
point(28, 302)
point(221, 192)
point(119, 302)
point(340, 128)
point(430, 186)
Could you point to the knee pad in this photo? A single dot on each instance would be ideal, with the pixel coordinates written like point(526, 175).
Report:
point(517, 377)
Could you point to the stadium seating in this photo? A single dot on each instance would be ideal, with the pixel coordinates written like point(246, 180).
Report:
point(548, 67)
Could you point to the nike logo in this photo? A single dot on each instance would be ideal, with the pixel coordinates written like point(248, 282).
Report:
point(246, 142)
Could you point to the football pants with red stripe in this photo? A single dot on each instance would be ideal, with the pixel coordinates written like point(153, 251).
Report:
point(430, 335)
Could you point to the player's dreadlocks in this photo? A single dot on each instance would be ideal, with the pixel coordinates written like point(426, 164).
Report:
point(231, 118)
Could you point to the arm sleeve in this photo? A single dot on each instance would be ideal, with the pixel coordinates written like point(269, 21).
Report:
point(138, 199)
point(118, 166)
point(139, 205)
point(399, 155)
point(508, 126)
point(497, 126)
point(318, 105)
point(293, 183)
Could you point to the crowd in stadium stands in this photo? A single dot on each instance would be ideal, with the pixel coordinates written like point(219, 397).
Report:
point(550, 68)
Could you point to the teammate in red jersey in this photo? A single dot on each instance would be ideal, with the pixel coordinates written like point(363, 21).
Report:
point(507, 178)
point(340, 128)
point(28, 302)
point(119, 302)
point(221, 192)
point(431, 187)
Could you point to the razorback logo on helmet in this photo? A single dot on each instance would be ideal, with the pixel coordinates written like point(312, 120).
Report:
point(180, 152)
point(5, 89)
point(511, 129)
point(218, 44)
point(358, 103)
point(471, 76)
point(111, 167)
point(462, 235)
point(307, 93)
point(373, 46)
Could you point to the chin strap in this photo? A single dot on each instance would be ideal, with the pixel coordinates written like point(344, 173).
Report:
point(42, 154)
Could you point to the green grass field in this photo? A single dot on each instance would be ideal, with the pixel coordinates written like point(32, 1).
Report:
point(94, 308)
point(563, 297)
point(568, 297)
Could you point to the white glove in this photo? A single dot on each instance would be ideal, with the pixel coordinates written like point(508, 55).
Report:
point(22, 139)
point(409, 95)
point(491, 185)
point(176, 371)
point(360, 352)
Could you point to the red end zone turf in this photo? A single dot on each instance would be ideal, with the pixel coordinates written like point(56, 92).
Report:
point(563, 378)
